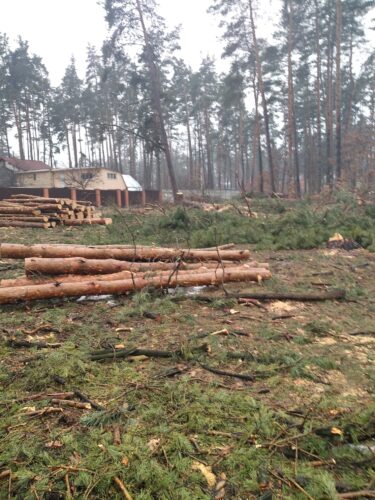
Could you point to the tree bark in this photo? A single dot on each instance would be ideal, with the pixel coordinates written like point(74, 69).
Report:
point(338, 87)
point(19, 210)
point(28, 293)
point(14, 223)
point(318, 95)
point(264, 100)
point(292, 127)
point(156, 99)
point(259, 273)
point(81, 266)
point(16, 251)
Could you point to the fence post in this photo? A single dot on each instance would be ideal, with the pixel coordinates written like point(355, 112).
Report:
point(98, 200)
point(118, 198)
point(73, 194)
point(45, 193)
point(126, 193)
point(143, 198)
point(160, 197)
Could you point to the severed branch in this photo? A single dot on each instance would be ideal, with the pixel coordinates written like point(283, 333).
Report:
point(250, 378)
point(301, 297)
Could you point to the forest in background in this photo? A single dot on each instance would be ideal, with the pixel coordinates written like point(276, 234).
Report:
point(294, 113)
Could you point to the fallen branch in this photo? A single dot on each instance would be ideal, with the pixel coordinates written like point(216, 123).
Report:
point(5, 474)
point(250, 378)
point(85, 399)
point(358, 494)
point(30, 345)
point(121, 485)
point(72, 404)
point(44, 411)
point(364, 334)
point(126, 353)
point(301, 297)
point(43, 395)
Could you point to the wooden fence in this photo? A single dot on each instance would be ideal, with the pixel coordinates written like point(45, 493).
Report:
point(99, 197)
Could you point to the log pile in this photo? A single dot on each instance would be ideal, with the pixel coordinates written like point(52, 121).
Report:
point(53, 271)
point(25, 210)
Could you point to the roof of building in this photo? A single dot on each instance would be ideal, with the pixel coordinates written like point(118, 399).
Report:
point(131, 183)
point(25, 165)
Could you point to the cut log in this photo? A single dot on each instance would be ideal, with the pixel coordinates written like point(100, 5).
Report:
point(10, 295)
point(100, 221)
point(45, 207)
point(73, 222)
point(65, 278)
point(17, 251)
point(14, 223)
point(54, 201)
point(24, 218)
point(85, 203)
point(79, 265)
point(7, 209)
point(20, 196)
point(122, 275)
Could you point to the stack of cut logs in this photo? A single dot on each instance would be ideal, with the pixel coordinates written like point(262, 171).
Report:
point(25, 210)
point(75, 270)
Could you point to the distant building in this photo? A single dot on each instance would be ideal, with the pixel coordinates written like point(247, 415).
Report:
point(36, 174)
point(10, 167)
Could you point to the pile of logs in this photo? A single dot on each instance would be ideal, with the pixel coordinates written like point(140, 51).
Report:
point(74, 270)
point(25, 210)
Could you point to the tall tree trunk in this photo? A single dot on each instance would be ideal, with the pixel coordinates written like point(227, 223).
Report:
point(17, 120)
point(156, 98)
point(241, 142)
point(257, 141)
point(75, 149)
point(338, 87)
point(29, 138)
point(210, 171)
point(68, 147)
point(318, 96)
point(292, 126)
point(264, 100)
point(329, 104)
point(190, 147)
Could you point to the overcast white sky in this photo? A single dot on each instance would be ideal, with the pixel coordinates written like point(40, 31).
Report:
point(57, 29)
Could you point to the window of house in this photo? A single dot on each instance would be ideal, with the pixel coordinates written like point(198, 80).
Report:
point(87, 176)
point(111, 176)
point(34, 175)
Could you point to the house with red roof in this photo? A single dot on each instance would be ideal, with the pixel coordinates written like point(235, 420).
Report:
point(10, 167)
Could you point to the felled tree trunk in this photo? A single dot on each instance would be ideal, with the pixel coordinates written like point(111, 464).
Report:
point(33, 201)
point(11, 209)
point(101, 221)
point(24, 218)
point(15, 223)
point(122, 275)
point(28, 293)
point(79, 265)
point(76, 222)
point(45, 207)
point(15, 251)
